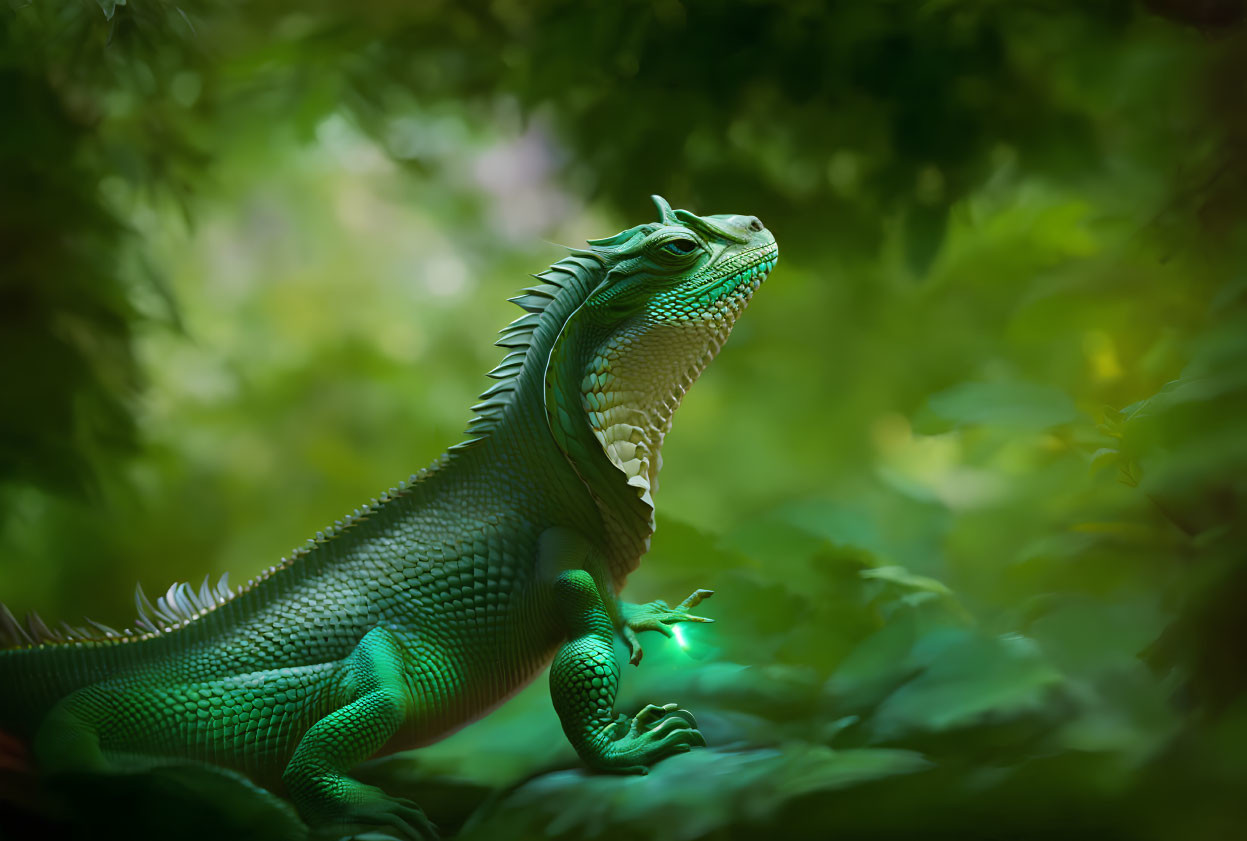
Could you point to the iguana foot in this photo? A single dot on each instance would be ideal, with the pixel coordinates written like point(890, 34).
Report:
point(653, 734)
point(658, 616)
point(377, 815)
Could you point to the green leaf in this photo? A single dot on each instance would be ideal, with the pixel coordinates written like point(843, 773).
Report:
point(904, 578)
point(110, 7)
point(1016, 405)
point(973, 688)
point(1104, 457)
point(705, 793)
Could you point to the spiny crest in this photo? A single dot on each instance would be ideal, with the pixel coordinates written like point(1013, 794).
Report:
point(564, 278)
point(178, 605)
point(567, 277)
point(181, 603)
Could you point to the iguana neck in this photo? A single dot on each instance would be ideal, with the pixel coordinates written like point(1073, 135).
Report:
point(538, 399)
point(611, 400)
point(627, 510)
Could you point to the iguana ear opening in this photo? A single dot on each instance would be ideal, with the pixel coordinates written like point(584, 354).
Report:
point(665, 214)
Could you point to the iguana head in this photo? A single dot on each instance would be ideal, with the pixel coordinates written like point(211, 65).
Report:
point(667, 299)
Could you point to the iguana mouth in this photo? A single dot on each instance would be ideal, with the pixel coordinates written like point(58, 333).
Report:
point(742, 272)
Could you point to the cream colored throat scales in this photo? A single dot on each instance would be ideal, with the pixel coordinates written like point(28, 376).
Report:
point(637, 378)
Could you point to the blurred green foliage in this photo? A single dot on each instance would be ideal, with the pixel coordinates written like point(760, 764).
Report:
point(968, 480)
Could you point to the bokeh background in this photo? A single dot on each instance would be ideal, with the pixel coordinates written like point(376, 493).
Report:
point(968, 480)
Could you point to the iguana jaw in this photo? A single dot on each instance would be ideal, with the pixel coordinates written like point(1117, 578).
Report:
point(637, 378)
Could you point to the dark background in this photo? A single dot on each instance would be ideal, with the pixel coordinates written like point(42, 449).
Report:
point(968, 480)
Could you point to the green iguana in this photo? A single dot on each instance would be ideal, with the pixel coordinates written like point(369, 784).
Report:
point(422, 611)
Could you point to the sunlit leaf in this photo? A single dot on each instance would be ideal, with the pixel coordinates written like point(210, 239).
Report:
point(903, 577)
point(109, 7)
point(1008, 404)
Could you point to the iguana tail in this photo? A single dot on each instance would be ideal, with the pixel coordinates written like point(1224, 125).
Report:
point(34, 678)
point(40, 665)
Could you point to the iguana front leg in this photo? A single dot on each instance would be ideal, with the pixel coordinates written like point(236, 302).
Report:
point(657, 616)
point(584, 679)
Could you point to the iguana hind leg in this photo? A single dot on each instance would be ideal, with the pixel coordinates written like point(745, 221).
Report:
point(378, 702)
point(584, 680)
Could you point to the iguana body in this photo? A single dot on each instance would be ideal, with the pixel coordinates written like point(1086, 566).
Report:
point(431, 606)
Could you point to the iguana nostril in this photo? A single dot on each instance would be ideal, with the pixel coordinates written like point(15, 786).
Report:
point(755, 224)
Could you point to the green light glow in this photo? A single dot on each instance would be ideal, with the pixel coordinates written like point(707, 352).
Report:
point(679, 637)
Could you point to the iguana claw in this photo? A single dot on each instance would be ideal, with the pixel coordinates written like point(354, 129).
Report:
point(658, 616)
point(654, 733)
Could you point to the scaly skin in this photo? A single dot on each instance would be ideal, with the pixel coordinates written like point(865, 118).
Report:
point(431, 606)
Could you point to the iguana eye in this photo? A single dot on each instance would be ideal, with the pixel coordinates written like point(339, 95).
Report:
point(679, 247)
